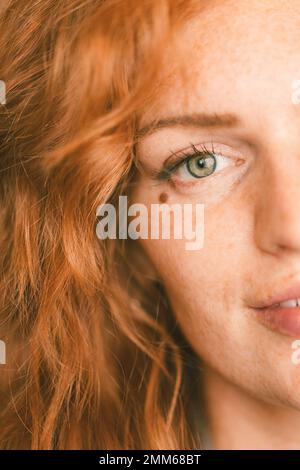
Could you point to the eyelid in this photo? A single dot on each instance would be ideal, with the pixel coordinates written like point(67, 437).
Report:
point(182, 155)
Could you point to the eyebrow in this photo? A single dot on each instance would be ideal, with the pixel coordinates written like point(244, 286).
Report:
point(194, 119)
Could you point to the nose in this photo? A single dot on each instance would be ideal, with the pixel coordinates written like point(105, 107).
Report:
point(277, 209)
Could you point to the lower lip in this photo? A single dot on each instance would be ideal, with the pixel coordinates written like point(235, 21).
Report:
point(284, 320)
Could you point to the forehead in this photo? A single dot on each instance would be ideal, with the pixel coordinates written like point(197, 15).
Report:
point(232, 53)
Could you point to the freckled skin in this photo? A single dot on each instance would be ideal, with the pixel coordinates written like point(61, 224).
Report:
point(240, 57)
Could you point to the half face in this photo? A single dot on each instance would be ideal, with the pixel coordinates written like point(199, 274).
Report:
point(229, 138)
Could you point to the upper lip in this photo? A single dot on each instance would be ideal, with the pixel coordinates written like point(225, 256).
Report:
point(288, 293)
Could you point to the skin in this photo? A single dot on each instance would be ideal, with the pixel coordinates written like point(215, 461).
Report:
point(241, 58)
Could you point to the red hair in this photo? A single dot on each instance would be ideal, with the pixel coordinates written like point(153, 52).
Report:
point(94, 355)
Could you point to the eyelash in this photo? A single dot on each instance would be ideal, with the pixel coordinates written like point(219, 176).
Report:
point(166, 173)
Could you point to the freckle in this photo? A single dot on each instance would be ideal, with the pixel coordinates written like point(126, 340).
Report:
point(163, 197)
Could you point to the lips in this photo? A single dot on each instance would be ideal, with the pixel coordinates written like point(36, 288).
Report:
point(281, 312)
point(289, 293)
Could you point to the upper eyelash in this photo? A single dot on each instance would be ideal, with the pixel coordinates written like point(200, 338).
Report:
point(183, 157)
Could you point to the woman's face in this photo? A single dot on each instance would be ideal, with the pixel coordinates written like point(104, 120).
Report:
point(241, 59)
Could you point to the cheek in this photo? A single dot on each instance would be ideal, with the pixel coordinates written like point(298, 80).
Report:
point(200, 281)
point(205, 286)
point(210, 272)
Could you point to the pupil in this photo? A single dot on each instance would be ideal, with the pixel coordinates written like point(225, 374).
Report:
point(201, 162)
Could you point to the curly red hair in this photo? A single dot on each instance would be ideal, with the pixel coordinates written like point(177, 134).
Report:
point(94, 357)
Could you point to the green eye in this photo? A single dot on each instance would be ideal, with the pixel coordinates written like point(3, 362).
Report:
point(200, 166)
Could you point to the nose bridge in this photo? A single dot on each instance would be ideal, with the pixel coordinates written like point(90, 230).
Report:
point(277, 212)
